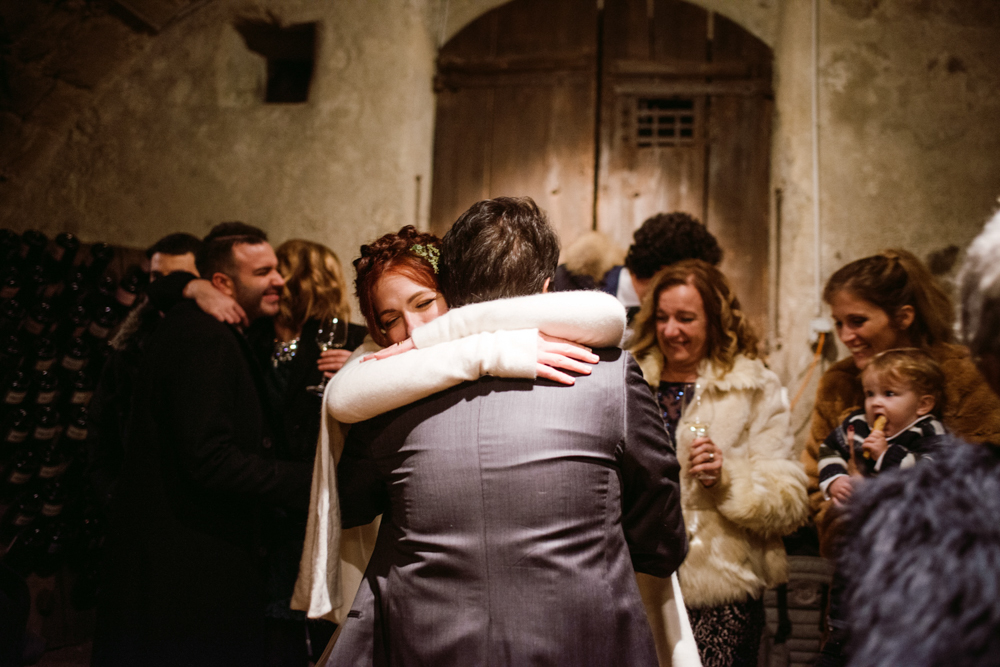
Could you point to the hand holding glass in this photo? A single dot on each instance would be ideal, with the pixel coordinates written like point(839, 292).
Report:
point(331, 335)
point(697, 417)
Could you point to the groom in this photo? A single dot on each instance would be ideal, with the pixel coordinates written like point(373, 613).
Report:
point(514, 511)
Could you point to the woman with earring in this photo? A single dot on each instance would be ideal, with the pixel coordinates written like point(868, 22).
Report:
point(741, 488)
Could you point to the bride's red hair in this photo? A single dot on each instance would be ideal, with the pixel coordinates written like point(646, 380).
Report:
point(392, 253)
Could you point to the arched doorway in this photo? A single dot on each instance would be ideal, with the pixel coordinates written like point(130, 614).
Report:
point(606, 117)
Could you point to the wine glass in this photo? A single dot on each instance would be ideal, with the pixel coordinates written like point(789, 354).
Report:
point(697, 416)
point(331, 335)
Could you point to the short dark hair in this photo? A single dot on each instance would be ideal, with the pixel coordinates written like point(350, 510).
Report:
point(175, 244)
point(499, 248)
point(216, 252)
point(668, 238)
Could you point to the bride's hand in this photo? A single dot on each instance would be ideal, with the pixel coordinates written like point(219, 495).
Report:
point(392, 350)
point(215, 303)
point(556, 353)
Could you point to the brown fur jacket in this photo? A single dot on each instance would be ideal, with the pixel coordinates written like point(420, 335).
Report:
point(972, 412)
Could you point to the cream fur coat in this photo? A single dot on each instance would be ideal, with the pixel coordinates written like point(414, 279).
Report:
point(735, 527)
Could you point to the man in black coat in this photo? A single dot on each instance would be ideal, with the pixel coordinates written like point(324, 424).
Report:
point(183, 571)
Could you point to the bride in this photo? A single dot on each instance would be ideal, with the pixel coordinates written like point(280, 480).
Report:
point(522, 337)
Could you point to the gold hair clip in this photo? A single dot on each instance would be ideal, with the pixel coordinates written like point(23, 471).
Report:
point(428, 252)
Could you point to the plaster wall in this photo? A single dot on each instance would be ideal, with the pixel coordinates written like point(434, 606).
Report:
point(909, 117)
point(182, 140)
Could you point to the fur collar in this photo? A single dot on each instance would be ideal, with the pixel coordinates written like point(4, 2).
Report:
point(746, 374)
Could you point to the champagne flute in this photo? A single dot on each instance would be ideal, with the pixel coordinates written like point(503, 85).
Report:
point(697, 417)
point(331, 335)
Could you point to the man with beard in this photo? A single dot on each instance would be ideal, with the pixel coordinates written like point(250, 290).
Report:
point(183, 570)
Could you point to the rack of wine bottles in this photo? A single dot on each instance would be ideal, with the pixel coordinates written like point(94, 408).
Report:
point(58, 306)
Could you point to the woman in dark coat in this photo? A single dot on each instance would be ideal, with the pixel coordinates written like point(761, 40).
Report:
point(314, 294)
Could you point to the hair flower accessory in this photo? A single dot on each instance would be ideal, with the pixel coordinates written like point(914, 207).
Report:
point(428, 252)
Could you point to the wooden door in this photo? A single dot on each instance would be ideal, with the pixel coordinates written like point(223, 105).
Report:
point(660, 104)
point(686, 115)
point(515, 115)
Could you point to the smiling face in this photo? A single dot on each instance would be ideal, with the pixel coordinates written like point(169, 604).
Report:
point(865, 328)
point(889, 395)
point(402, 305)
point(256, 285)
point(681, 331)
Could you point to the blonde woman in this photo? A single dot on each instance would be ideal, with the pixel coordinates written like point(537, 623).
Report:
point(741, 487)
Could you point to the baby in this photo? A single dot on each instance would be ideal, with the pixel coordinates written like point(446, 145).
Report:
point(904, 390)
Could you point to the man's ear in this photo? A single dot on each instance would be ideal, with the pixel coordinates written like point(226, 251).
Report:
point(223, 283)
point(925, 405)
point(545, 285)
point(904, 317)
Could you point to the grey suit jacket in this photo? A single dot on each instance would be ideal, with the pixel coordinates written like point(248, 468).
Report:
point(514, 513)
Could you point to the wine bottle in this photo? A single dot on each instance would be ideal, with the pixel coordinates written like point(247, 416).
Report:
point(77, 426)
point(101, 255)
point(39, 322)
point(16, 427)
point(45, 354)
point(80, 390)
point(46, 387)
point(47, 425)
point(54, 495)
point(33, 244)
point(19, 474)
point(16, 388)
point(53, 460)
point(11, 356)
point(18, 517)
point(62, 253)
point(75, 324)
point(56, 539)
point(10, 247)
point(76, 356)
point(10, 284)
point(128, 290)
point(102, 323)
point(11, 314)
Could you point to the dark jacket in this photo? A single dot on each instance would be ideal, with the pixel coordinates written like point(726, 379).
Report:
point(183, 571)
point(516, 515)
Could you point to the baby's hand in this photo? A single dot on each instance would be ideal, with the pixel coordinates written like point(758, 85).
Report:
point(875, 444)
point(840, 489)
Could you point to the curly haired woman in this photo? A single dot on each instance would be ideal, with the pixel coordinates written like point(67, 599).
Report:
point(741, 488)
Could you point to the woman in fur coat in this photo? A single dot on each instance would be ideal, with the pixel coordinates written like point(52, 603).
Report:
point(878, 303)
point(741, 487)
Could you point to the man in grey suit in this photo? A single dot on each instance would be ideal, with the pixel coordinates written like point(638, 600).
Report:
point(514, 511)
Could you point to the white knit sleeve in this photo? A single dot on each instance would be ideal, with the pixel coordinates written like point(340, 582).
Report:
point(589, 318)
point(362, 390)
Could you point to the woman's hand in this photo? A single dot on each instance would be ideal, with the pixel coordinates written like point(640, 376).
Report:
point(875, 444)
point(556, 353)
point(706, 461)
point(332, 361)
point(391, 351)
point(840, 489)
point(215, 303)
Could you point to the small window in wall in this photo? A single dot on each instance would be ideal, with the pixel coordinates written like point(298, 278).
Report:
point(290, 53)
point(663, 121)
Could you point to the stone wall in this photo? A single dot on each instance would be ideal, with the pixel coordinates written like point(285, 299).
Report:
point(122, 135)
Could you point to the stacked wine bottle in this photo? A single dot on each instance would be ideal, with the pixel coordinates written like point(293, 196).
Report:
point(58, 307)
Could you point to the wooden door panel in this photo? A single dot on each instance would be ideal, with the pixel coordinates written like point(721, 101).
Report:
point(463, 141)
point(543, 148)
point(738, 177)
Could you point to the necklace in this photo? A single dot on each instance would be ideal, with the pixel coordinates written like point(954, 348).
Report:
point(284, 351)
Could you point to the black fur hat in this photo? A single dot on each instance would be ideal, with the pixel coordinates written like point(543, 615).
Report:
point(921, 557)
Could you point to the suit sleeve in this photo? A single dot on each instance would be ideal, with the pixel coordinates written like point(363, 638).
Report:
point(651, 499)
point(203, 416)
point(168, 291)
point(362, 492)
